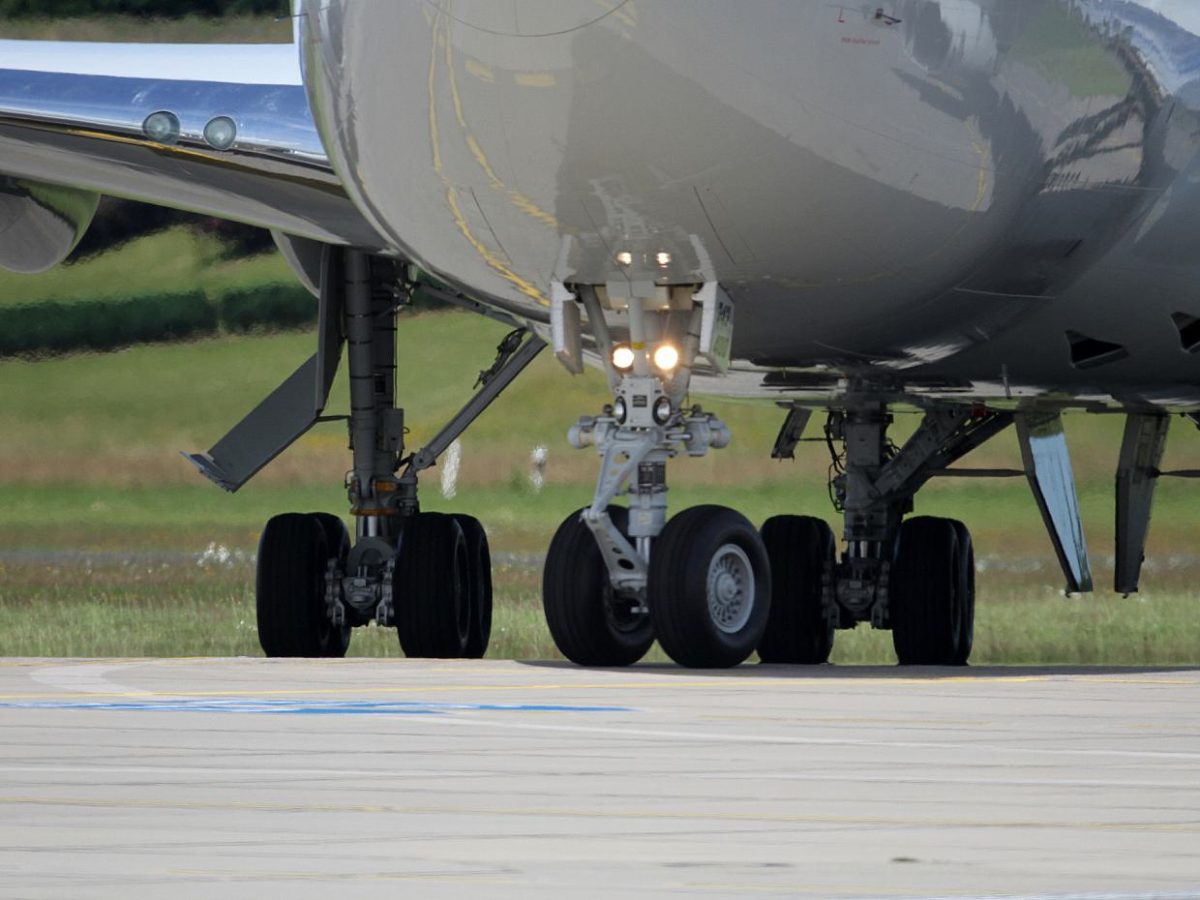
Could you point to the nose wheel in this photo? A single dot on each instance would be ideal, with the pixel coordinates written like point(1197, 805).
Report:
point(592, 623)
point(709, 588)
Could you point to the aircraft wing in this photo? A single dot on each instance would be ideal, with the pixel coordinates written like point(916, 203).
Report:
point(128, 120)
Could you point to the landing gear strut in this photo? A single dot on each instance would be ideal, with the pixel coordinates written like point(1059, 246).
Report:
point(914, 576)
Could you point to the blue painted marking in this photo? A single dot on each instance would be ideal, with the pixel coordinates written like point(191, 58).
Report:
point(305, 707)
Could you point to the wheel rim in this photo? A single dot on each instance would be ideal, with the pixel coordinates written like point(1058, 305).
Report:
point(622, 612)
point(730, 587)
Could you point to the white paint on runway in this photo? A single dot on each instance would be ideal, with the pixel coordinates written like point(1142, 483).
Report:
point(193, 778)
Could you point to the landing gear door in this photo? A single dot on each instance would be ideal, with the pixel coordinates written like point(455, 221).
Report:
point(716, 325)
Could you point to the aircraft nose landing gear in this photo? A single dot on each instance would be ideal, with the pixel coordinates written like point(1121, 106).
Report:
point(615, 579)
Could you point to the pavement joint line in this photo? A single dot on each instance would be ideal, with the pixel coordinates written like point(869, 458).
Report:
point(566, 813)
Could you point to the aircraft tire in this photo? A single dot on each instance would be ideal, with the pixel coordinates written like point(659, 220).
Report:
point(709, 588)
point(966, 619)
point(293, 553)
point(590, 626)
point(798, 631)
point(927, 592)
point(479, 586)
point(430, 587)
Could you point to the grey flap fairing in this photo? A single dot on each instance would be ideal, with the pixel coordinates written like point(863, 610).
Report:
point(1137, 476)
point(292, 408)
point(1048, 468)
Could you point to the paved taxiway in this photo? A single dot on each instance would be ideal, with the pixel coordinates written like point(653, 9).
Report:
point(243, 778)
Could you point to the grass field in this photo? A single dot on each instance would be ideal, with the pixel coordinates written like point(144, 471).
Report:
point(172, 260)
point(187, 30)
point(111, 544)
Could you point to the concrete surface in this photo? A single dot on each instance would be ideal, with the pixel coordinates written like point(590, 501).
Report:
point(257, 778)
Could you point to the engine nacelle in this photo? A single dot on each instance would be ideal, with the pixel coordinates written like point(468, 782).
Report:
point(40, 224)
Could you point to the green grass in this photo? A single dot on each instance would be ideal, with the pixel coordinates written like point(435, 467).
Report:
point(172, 260)
point(190, 29)
point(206, 608)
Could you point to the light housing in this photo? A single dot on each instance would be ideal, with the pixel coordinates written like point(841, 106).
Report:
point(162, 127)
point(666, 357)
point(662, 410)
point(619, 410)
point(622, 357)
point(625, 258)
point(220, 132)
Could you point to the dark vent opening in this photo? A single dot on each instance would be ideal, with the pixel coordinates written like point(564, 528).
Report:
point(1087, 352)
point(1189, 331)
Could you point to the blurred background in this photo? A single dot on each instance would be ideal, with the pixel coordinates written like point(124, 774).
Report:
point(164, 328)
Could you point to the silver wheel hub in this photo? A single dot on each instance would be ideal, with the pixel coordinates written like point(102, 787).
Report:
point(730, 588)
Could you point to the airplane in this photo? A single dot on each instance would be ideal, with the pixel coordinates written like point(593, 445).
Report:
point(985, 210)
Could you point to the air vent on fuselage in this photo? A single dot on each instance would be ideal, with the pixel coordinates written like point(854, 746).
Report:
point(1087, 352)
point(1189, 331)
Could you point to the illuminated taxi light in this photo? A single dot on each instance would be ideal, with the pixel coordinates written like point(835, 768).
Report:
point(220, 133)
point(666, 357)
point(622, 356)
point(663, 259)
point(162, 127)
point(625, 258)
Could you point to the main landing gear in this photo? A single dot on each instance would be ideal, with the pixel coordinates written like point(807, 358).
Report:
point(916, 575)
point(426, 574)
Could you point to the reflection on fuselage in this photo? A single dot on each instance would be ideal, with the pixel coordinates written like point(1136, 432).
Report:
point(934, 191)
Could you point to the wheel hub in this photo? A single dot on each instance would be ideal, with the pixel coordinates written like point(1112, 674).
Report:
point(730, 588)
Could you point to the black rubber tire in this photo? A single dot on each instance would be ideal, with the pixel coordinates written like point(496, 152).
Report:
point(337, 546)
point(429, 588)
point(966, 618)
point(293, 554)
point(589, 625)
point(925, 592)
point(678, 588)
point(479, 586)
point(798, 631)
